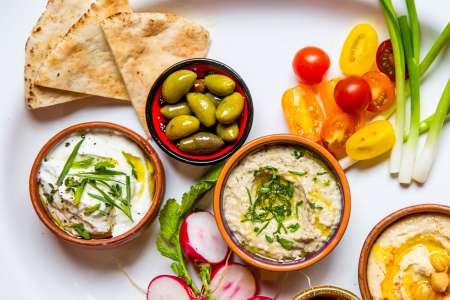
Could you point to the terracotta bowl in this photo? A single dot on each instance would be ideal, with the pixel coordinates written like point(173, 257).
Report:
point(326, 292)
point(281, 139)
point(378, 230)
point(156, 122)
point(108, 242)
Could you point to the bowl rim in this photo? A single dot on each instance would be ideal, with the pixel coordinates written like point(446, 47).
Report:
point(159, 82)
point(325, 289)
point(333, 164)
point(380, 227)
point(129, 235)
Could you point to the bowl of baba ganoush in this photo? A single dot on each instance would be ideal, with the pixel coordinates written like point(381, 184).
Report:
point(407, 255)
point(282, 202)
point(97, 184)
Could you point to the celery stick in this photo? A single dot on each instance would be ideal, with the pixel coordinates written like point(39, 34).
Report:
point(428, 154)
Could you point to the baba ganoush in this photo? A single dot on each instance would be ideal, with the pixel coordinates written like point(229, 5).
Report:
point(282, 202)
point(411, 259)
point(97, 184)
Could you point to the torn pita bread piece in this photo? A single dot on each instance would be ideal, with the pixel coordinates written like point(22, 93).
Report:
point(145, 44)
point(82, 61)
point(58, 17)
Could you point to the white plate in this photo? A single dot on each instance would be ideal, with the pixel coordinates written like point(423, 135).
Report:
point(258, 39)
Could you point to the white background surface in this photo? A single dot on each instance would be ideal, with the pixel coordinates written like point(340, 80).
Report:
point(258, 39)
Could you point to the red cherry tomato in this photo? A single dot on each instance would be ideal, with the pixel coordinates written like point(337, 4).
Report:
point(385, 60)
point(336, 130)
point(383, 91)
point(310, 64)
point(352, 94)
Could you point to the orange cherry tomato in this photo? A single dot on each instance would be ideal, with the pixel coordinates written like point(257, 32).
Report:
point(303, 112)
point(336, 130)
point(383, 91)
point(325, 89)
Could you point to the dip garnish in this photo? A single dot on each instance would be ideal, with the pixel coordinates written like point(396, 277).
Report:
point(69, 162)
point(298, 154)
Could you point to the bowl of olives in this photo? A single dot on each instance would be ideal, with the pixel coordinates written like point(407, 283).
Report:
point(199, 111)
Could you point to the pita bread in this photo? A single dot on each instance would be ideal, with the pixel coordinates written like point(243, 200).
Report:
point(58, 17)
point(82, 61)
point(145, 44)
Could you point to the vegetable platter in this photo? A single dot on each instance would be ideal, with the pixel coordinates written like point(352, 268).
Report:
point(258, 40)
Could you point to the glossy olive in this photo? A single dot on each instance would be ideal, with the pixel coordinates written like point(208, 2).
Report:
point(199, 86)
point(230, 108)
point(177, 85)
point(182, 126)
point(228, 133)
point(203, 108)
point(213, 98)
point(171, 111)
point(200, 143)
point(220, 85)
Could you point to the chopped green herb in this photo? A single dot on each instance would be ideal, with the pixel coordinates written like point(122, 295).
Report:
point(264, 170)
point(286, 244)
point(83, 164)
point(115, 191)
point(294, 227)
point(321, 173)
point(269, 239)
point(49, 197)
point(79, 193)
point(301, 173)
point(298, 154)
point(91, 209)
point(69, 163)
point(313, 205)
point(256, 229)
point(79, 228)
point(297, 205)
point(249, 196)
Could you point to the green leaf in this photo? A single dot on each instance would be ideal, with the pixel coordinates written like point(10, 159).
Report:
point(95, 177)
point(91, 209)
point(169, 219)
point(301, 173)
point(166, 249)
point(105, 198)
point(83, 164)
point(205, 277)
point(177, 269)
point(269, 239)
point(79, 193)
point(286, 244)
point(293, 227)
point(69, 163)
point(79, 228)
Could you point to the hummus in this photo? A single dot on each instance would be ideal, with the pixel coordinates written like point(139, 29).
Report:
point(96, 185)
point(401, 264)
point(282, 203)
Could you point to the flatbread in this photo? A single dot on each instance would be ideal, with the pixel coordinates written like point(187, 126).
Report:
point(82, 61)
point(145, 44)
point(58, 17)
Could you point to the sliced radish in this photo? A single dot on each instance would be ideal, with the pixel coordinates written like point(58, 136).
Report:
point(232, 282)
point(260, 298)
point(201, 240)
point(168, 287)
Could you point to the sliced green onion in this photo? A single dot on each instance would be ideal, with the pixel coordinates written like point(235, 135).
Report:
point(69, 163)
point(424, 125)
point(428, 154)
point(409, 151)
point(79, 193)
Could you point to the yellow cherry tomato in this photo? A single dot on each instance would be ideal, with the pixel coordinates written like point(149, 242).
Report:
point(371, 141)
point(359, 51)
point(303, 112)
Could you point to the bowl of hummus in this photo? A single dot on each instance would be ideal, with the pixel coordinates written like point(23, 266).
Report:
point(282, 202)
point(96, 184)
point(407, 255)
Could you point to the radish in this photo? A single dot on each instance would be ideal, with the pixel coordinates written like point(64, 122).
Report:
point(260, 298)
point(168, 287)
point(201, 240)
point(232, 282)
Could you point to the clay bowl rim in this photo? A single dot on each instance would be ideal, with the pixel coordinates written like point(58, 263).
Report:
point(332, 164)
point(98, 243)
point(379, 228)
point(178, 66)
point(323, 290)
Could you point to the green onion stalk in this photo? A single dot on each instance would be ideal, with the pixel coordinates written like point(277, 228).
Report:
point(428, 154)
point(410, 37)
point(399, 61)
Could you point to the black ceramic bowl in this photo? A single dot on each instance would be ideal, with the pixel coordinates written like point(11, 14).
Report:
point(156, 122)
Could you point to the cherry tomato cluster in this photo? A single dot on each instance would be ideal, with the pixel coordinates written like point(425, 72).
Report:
point(346, 102)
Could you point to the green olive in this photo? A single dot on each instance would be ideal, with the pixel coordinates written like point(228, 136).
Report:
point(177, 85)
point(199, 86)
point(220, 85)
point(230, 108)
point(213, 98)
point(203, 108)
point(174, 110)
point(182, 126)
point(200, 143)
point(228, 133)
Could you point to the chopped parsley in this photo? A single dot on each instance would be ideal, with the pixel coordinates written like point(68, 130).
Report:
point(293, 227)
point(269, 239)
point(313, 205)
point(298, 154)
point(286, 244)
